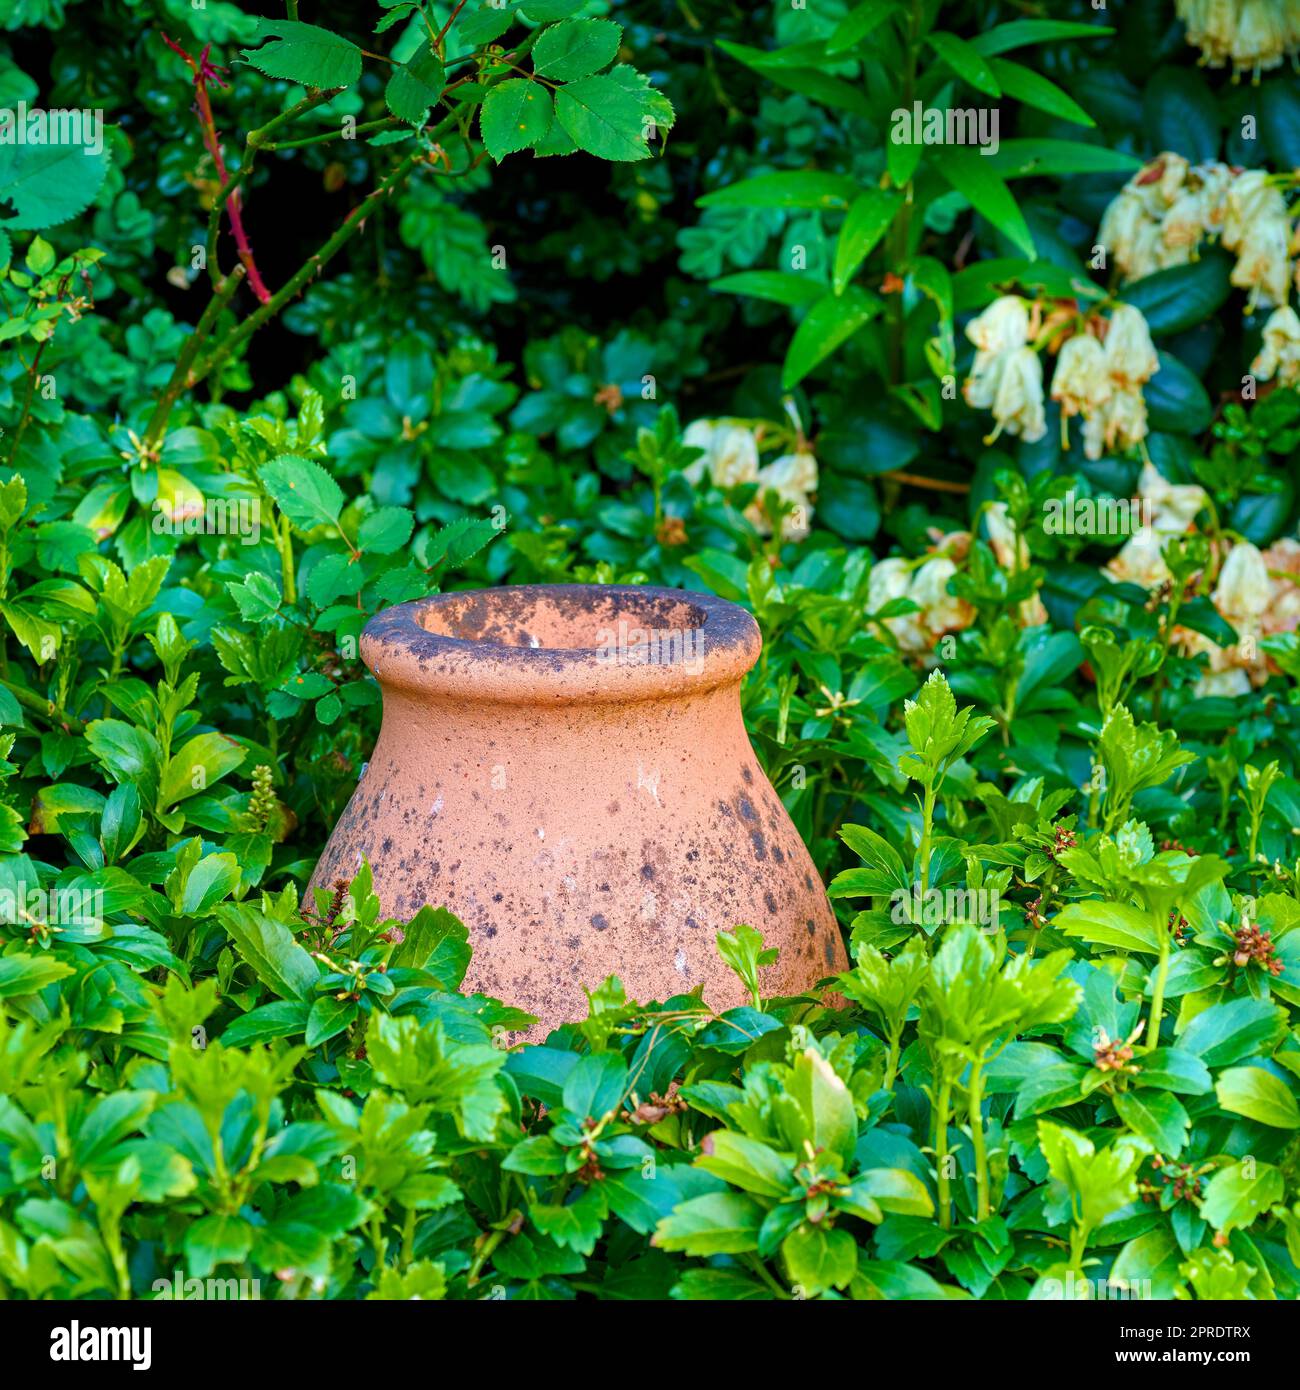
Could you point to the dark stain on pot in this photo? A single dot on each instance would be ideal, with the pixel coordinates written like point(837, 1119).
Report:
point(647, 871)
point(759, 843)
point(600, 921)
point(812, 927)
point(746, 807)
point(747, 775)
point(770, 900)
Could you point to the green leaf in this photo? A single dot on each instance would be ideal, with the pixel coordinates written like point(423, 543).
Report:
point(576, 48)
point(1148, 1267)
point(1157, 1116)
point(415, 86)
point(1017, 159)
point(1230, 1032)
point(279, 1020)
point(819, 1259)
point(806, 188)
point(385, 531)
point(894, 1190)
point(329, 1017)
point(966, 61)
point(1109, 924)
point(204, 760)
point(720, 1223)
point(971, 175)
point(1177, 402)
point(1173, 1069)
point(1181, 112)
point(269, 948)
point(305, 53)
point(1182, 295)
point(25, 974)
point(858, 23)
point(437, 941)
point(515, 116)
point(828, 325)
point(603, 116)
point(830, 1118)
point(596, 1085)
point(48, 184)
point(215, 1239)
point(574, 1226)
point(1016, 33)
point(776, 286)
point(303, 491)
point(1236, 1195)
point(1259, 1095)
point(867, 221)
point(1024, 84)
point(745, 1163)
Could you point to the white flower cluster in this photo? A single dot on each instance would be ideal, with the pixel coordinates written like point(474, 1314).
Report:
point(1170, 208)
point(1257, 603)
point(1169, 509)
point(1252, 35)
point(1258, 592)
point(1099, 375)
point(731, 458)
point(926, 584)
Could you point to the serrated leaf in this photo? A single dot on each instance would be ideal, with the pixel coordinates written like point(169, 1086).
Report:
point(576, 48)
point(604, 117)
point(303, 491)
point(304, 53)
point(46, 185)
point(386, 530)
point(516, 115)
point(415, 86)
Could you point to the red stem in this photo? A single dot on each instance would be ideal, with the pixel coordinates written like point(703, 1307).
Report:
point(204, 72)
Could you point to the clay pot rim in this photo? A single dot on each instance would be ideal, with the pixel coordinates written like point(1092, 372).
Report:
point(405, 654)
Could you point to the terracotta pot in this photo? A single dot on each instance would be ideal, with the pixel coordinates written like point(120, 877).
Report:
point(565, 767)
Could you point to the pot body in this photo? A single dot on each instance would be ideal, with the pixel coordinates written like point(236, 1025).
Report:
point(583, 819)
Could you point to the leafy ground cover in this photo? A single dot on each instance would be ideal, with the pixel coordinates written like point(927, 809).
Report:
point(956, 343)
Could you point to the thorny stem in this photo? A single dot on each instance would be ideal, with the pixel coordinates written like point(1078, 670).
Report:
point(900, 233)
point(205, 72)
point(199, 367)
point(178, 380)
